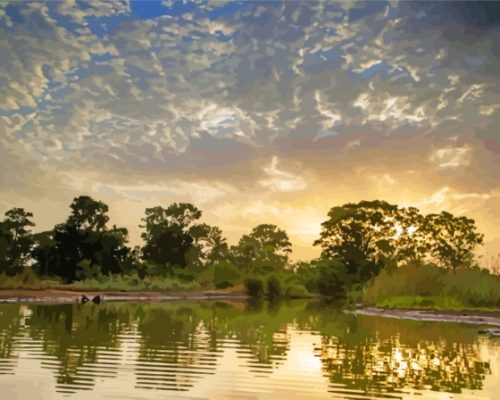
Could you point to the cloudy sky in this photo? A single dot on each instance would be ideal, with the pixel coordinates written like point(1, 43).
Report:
point(256, 112)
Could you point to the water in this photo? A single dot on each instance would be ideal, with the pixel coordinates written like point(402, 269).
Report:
point(224, 350)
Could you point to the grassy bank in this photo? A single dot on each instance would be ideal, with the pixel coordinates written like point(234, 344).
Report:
point(125, 283)
point(430, 287)
point(272, 286)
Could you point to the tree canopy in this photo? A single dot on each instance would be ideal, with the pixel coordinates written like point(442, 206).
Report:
point(370, 234)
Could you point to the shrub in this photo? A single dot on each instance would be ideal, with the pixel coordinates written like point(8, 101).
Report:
point(225, 275)
point(254, 287)
point(426, 284)
point(297, 291)
point(274, 290)
point(333, 280)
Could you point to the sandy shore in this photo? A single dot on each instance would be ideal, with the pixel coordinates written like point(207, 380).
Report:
point(67, 296)
point(466, 317)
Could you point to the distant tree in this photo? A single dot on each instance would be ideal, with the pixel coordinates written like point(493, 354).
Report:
point(88, 215)
point(359, 234)
point(266, 248)
point(16, 241)
point(333, 279)
point(115, 255)
point(83, 246)
point(45, 253)
point(209, 246)
point(371, 234)
point(452, 240)
point(167, 234)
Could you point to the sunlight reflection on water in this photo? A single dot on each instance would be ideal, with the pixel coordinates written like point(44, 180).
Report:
point(218, 350)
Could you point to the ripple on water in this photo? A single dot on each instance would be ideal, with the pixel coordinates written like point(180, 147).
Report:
point(217, 351)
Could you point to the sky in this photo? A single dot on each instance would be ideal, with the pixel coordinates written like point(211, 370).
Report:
point(256, 112)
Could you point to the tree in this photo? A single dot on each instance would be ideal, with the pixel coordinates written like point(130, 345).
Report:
point(333, 279)
point(16, 240)
point(372, 234)
point(88, 214)
point(359, 234)
point(266, 248)
point(209, 246)
point(167, 234)
point(452, 240)
point(83, 246)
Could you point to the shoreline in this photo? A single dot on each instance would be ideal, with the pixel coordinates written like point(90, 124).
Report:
point(72, 296)
point(466, 317)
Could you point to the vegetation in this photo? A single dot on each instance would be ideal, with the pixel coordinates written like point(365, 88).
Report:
point(372, 251)
point(428, 286)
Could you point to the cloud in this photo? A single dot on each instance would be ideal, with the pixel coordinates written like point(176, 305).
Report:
point(192, 103)
point(281, 181)
point(452, 157)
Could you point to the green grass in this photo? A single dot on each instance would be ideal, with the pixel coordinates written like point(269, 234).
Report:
point(131, 283)
point(431, 287)
point(29, 281)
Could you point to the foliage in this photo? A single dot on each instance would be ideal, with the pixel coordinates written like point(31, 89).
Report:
point(83, 246)
point(27, 279)
point(472, 287)
point(274, 289)
point(264, 250)
point(363, 246)
point(173, 238)
point(453, 239)
point(297, 291)
point(333, 279)
point(371, 234)
point(254, 287)
point(16, 241)
point(225, 274)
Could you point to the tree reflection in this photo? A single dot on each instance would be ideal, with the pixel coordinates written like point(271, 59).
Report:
point(174, 350)
point(173, 345)
point(9, 328)
point(395, 355)
point(76, 335)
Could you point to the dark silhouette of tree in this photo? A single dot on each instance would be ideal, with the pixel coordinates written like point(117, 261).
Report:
point(167, 234)
point(370, 234)
point(16, 241)
point(209, 246)
point(360, 235)
point(452, 240)
point(83, 246)
point(266, 248)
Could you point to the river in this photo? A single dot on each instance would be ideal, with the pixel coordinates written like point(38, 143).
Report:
point(233, 350)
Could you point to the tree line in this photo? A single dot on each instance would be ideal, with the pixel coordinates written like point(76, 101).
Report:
point(357, 240)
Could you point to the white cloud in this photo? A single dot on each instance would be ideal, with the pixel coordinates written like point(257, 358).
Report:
point(451, 157)
point(281, 181)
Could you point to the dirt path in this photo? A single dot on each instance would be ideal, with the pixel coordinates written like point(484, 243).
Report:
point(70, 296)
point(466, 317)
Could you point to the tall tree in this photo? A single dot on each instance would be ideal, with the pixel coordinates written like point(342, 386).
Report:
point(359, 234)
point(452, 240)
point(167, 234)
point(266, 248)
point(83, 246)
point(370, 234)
point(16, 240)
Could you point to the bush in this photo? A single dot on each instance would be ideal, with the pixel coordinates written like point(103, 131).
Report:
point(274, 290)
point(333, 280)
point(297, 291)
point(254, 287)
point(225, 275)
point(429, 285)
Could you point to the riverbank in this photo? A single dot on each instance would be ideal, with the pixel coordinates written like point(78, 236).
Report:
point(71, 296)
point(491, 318)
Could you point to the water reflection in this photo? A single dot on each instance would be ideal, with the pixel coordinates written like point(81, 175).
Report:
point(223, 349)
